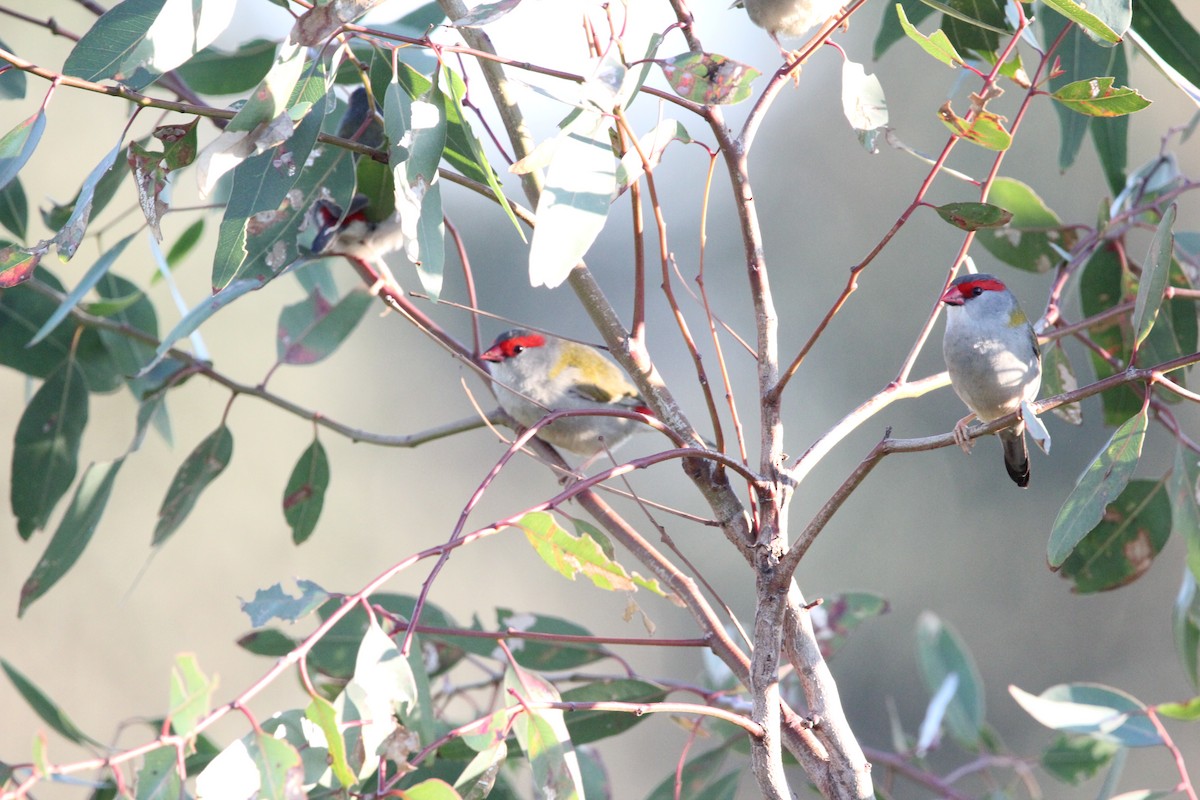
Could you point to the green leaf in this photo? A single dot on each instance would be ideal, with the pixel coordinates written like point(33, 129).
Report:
point(46, 709)
point(570, 555)
point(987, 15)
point(863, 103)
point(587, 726)
point(1073, 759)
point(17, 265)
point(12, 87)
point(936, 44)
point(1100, 712)
point(88, 282)
point(71, 234)
point(74, 531)
point(311, 330)
point(18, 145)
point(133, 43)
point(190, 695)
point(973, 216)
point(1155, 270)
point(59, 217)
point(1101, 483)
point(22, 311)
point(1186, 712)
point(700, 779)
point(304, 495)
point(136, 312)
point(416, 132)
point(269, 642)
point(270, 200)
point(431, 789)
point(383, 686)
point(985, 129)
point(709, 78)
point(1096, 97)
point(545, 656)
point(197, 471)
point(159, 777)
point(1185, 623)
point(836, 618)
point(478, 778)
point(890, 30)
point(213, 71)
point(322, 714)
point(275, 603)
point(182, 245)
point(334, 655)
point(14, 210)
point(543, 736)
point(1120, 549)
point(1078, 58)
point(1170, 36)
point(485, 13)
point(1110, 135)
point(941, 652)
point(261, 124)
point(1100, 288)
point(1058, 377)
point(1175, 332)
point(1184, 486)
point(279, 766)
point(1096, 28)
point(46, 447)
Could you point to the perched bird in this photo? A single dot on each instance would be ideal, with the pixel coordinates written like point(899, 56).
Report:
point(994, 362)
point(538, 374)
point(789, 17)
point(356, 233)
point(352, 233)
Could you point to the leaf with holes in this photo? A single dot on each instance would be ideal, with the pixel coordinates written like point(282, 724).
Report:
point(709, 78)
point(570, 555)
point(1096, 97)
point(1058, 377)
point(1122, 546)
point(984, 129)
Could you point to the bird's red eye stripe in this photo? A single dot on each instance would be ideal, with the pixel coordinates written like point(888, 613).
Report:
point(510, 347)
point(969, 288)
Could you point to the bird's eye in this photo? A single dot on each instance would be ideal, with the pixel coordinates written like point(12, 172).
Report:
point(976, 291)
point(518, 349)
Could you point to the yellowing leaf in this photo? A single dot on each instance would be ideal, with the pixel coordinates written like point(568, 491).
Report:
point(570, 555)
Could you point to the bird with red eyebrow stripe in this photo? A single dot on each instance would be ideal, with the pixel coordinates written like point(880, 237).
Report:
point(994, 362)
point(537, 374)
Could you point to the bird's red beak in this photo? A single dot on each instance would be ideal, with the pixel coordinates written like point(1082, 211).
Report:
point(952, 296)
point(493, 354)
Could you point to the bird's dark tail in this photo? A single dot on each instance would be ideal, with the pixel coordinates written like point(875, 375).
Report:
point(1016, 455)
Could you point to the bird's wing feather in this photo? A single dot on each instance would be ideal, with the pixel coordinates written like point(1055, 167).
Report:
point(592, 392)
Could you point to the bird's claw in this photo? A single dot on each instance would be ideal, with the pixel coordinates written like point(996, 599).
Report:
point(961, 436)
